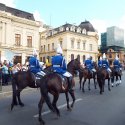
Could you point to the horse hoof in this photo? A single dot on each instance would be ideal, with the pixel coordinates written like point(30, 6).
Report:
point(21, 104)
point(69, 109)
point(41, 121)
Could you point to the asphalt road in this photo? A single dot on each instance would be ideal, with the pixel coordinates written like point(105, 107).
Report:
point(90, 108)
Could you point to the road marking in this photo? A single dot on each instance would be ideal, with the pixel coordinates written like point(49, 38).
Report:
point(59, 107)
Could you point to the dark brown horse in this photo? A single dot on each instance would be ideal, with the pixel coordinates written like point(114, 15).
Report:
point(102, 75)
point(52, 83)
point(20, 81)
point(116, 76)
point(87, 74)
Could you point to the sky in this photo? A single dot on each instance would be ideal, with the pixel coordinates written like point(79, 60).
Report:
point(100, 13)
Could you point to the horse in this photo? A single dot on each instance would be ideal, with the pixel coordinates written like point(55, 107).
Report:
point(116, 75)
point(102, 75)
point(21, 80)
point(87, 74)
point(52, 83)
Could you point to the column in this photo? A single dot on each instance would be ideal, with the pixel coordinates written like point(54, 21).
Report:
point(3, 32)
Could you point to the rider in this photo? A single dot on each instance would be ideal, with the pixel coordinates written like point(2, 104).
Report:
point(59, 66)
point(105, 63)
point(34, 64)
point(100, 62)
point(89, 64)
point(116, 63)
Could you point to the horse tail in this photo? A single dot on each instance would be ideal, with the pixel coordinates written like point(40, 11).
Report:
point(44, 93)
point(14, 99)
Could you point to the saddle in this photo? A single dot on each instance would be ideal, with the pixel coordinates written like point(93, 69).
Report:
point(36, 78)
point(64, 80)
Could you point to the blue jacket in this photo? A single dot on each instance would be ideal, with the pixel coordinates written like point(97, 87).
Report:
point(59, 64)
point(116, 64)
point(100, 63)
point(34, 65)
point(105, 63)
point(89, 64)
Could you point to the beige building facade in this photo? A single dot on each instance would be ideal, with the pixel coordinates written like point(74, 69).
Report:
point(76, 41)
point(19, 34)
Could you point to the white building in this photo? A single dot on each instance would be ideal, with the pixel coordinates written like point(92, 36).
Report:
point(76, 42)
point(19, 34)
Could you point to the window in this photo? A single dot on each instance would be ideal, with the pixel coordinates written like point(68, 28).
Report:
point(52, 46)
point(72, 44)
point(17, 39)
point(48, 47)
point(41, 48)
point(44, 48)
point(84, 45)
point(78, 45)
point(84, 58)
point(78, 57)
point(61, 44)
point(90, 47)
point(110, 55)
point(72, 56)
point(29, 41)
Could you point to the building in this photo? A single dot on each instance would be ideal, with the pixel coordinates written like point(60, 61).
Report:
point(19, 34)
point(114, 36)
point(76, 41)
point(112, 43)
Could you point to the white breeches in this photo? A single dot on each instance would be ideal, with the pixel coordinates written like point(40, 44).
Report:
point(41, 73)
point(67, 74)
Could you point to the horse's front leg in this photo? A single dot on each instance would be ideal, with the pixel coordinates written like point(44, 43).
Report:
point(109, 84)
point(94, 82)
point(67, 100)
point(112, 80)
point(80, 80)
point(83, 85)
point(73, 98)
point(103, 84)
point(89, 84)
point(19, 99)
point(40, 105)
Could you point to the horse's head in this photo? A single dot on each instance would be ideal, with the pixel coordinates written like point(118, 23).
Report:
point(76, 64)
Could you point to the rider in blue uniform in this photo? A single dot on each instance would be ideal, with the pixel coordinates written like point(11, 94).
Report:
point(105, 63)
point(59, 66)
point(100, 62)
point(116, 63)
point(34, 64)
point(89, 64)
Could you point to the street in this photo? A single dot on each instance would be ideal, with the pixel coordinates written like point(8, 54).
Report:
point(90, 108)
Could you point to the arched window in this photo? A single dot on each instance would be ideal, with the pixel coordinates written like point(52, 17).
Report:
point(73, 28)
point(78, 57)
point(84, 31)
point(67, 28)
point(84, 57)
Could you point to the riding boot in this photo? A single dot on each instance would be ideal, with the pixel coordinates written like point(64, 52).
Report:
point(70, 84)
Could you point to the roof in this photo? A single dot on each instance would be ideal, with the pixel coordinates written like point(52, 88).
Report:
point(87, 25)
point(16, 12)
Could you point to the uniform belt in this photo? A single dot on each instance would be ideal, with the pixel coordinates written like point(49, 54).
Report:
point(56, 66)
point(32, 66)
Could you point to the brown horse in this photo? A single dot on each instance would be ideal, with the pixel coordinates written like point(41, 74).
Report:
point(87, 74)
point(102, 75)
point(52, 83)
point(116, 76)
point(20, 81)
